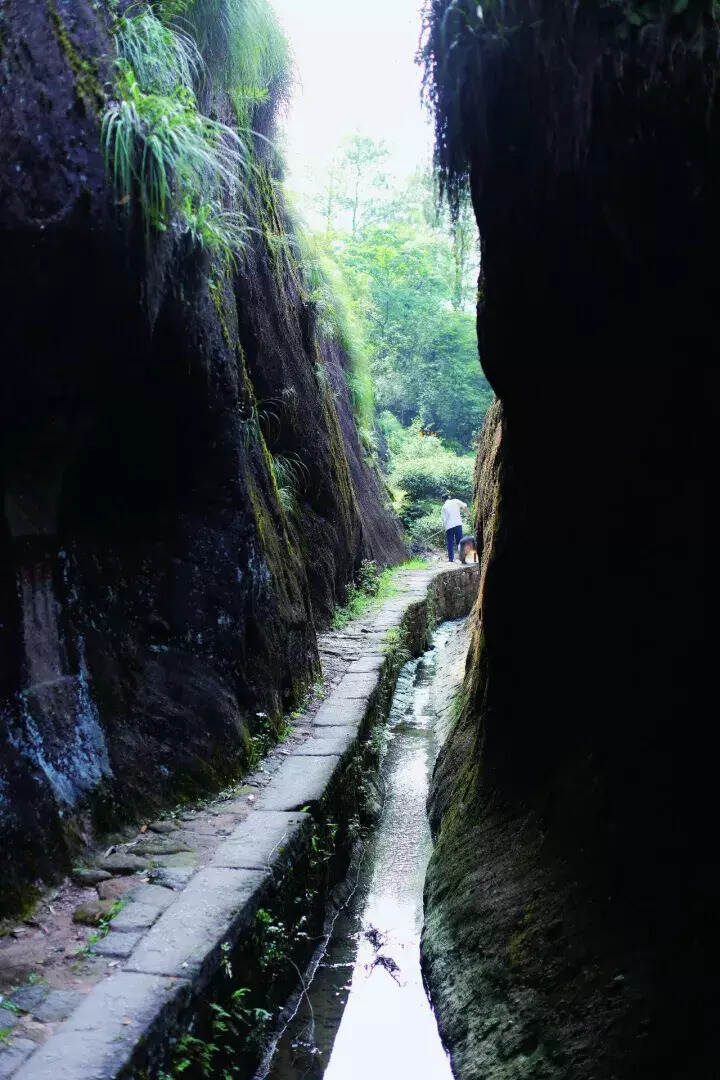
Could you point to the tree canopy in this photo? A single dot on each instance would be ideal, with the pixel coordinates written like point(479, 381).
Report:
point(410, 273)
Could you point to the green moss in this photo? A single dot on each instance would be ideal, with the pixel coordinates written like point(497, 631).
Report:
point(282, 557)
point(339, 465)
point(19, 900)
point(85, 72)
point(516, 948)
point(215, 290)
point(272, 224)
point(517, 942)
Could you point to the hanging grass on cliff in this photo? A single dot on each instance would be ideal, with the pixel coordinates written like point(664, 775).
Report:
point(246, 54)
point(465, 50)
point(166, 157)
point(333, 303)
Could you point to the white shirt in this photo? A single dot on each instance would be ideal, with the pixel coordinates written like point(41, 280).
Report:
point(451, 513)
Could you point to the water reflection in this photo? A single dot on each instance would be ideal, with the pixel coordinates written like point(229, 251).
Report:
point(366, 1015)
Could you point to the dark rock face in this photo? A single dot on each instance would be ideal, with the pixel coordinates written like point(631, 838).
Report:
point(155, 596)
point(571, 892)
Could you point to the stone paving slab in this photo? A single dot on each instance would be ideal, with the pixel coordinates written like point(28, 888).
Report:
point(185, 941)
point(328, 741)
point(172, 877)
point(298, 782)
point(179, 860)
point(136, 916)
point(362, 686)
point(13, 1055)
point(336, 713)
point(390, 622)
point(117, 944)
point(101, 1034)
point(58, 1005)
point(371, 663)
point(154, 894)
point(267, 840)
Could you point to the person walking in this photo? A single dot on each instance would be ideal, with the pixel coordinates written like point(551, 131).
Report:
point(452, 523)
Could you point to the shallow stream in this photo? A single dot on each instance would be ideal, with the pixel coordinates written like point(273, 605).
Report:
point(365, 1015)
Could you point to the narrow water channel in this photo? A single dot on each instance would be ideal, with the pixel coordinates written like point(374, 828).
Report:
point(365, 1015)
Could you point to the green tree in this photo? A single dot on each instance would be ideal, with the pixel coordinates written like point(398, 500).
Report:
point(411, 275)
point(361, 159)
point(423, 346)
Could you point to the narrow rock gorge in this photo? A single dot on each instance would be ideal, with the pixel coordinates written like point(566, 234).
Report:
point(185, 493)
point(191, 480)
point(571, 893)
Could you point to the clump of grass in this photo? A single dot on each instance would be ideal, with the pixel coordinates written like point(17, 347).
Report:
point(162, 57)
point(246, 50)
point(259, 68)
point(290, 476)
point(103, 929)
point(211, 226)
point(372, 586)
point(415, 564)
point(161, 151)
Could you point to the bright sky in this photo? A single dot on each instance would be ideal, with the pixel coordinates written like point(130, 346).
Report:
point(355, 71)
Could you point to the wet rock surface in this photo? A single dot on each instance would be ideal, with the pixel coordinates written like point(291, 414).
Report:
point(123, 863)
point(83, 876)
point(150, 575)
point(575, 879)
point(93, 912)
point(115, 888)
point(232, 841)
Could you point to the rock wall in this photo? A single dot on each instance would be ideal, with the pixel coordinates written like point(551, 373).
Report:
point(572, 886)
point(159, 598)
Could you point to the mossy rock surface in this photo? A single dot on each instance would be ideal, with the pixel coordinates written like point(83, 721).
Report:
point(186, 596)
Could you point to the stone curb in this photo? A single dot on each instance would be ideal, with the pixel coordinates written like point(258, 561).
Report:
point(172, 949)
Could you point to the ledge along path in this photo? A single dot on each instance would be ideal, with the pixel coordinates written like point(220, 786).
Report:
point(200, 878)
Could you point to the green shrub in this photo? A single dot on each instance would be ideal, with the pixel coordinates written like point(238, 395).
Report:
point(421, 470)
point(372, 585)
point(427, 529)
point(422, 466)
point(430, 479)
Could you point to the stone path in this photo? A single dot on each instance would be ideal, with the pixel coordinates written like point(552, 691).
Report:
point(190, 884)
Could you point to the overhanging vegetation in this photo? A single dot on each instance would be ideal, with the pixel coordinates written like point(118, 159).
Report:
point(166, 156)
point(655, 43)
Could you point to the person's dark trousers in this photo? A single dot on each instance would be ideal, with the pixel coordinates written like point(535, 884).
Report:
point(453, 537)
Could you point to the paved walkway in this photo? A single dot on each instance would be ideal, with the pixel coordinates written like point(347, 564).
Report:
point(191, 883)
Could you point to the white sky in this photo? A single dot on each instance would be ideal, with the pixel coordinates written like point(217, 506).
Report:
point(355, 71)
